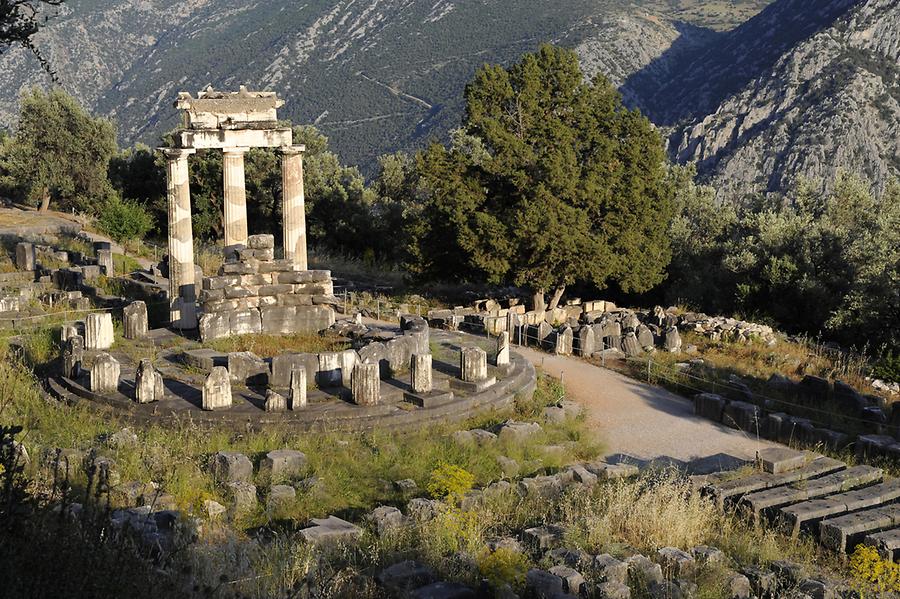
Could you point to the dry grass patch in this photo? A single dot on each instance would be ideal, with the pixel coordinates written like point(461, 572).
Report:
point(657, 510)
point(662, 509)
point(209, 258)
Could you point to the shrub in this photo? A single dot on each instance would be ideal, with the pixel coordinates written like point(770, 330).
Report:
point(503, 566)
point(873, 574)
point(124, 219)
point(451, 530)
point(888, 368)
point(450, 482)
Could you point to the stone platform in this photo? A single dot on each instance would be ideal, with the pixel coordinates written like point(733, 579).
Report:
point(329, 406)
point(802, 492)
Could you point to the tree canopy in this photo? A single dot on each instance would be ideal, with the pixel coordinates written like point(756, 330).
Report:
point(551, 181)
point(59, 152)
point(811, 262)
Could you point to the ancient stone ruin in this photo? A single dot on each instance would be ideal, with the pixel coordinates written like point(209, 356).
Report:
point(376, 374)
point(257, 294)
point(233, 122)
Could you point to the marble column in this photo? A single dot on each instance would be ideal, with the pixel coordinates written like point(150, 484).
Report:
point(182, 293)
point(235, 195)
point(293, 207)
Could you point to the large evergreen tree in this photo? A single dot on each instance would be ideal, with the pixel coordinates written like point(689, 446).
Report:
point(551, 182)
point(60, 152)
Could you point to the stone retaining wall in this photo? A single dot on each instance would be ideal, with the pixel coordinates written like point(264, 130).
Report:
point(257, 294)
point(788, 429)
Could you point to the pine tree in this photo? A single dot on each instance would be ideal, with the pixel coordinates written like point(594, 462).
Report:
point(556, 182)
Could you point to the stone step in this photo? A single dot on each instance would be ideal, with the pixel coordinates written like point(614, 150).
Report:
point(778, 460)
point(793, 518)
point(738, 487)
point(842, 533)
point(843, 480)
point(886, 542)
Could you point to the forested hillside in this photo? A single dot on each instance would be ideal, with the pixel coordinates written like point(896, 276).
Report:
point(375, 76)
point(759, 93)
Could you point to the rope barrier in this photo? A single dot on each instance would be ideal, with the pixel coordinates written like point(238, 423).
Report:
point(663, 371)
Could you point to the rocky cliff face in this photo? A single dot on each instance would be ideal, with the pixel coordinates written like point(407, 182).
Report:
point(830, 102)
point(699, 76)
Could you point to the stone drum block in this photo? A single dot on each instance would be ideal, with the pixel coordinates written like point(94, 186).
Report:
point(586, 341)
point(231, 466)
point(217, 389)
point(73, 354)
point(330, 373)
point(673, 340)
point(98, 331)
point(564, 342)
point(420, 373)
point(25, 256)
point(282, 464)
point(105, 374)
point(134, 319)
point(105, 261)
point(631, 346)
point(298, 387)
point(348, 358)
point(502, 349)
point(148, 383)
point(365, 384)
point(275, 402)
point(472, 364)
point(247, 368)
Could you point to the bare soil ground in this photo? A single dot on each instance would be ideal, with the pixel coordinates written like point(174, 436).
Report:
point(640, 423)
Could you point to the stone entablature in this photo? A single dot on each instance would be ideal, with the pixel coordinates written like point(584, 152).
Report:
point(213, 109)
point(217, 119)
point(258, 294)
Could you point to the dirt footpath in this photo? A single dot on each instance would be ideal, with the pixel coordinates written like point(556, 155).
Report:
point(640, 422)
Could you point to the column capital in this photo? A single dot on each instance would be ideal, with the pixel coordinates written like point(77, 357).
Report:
point(236, 150)
point(292, 150)
point(176, 153)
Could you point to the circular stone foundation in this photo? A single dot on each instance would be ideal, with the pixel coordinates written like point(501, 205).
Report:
point(185, 365)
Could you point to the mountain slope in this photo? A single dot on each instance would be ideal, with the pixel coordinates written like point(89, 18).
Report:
point(832, 101)
point(698, 77)
point(758, 92)
point(375, 76)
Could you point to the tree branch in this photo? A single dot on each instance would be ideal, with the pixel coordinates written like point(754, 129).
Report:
point(20, 20)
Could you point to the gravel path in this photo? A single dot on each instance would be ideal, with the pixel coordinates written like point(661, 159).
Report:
point(639, 422)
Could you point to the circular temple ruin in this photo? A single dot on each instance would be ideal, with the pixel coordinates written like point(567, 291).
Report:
point(374, 375)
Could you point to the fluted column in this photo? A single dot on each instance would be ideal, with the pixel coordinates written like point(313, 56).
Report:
point(293, 208)
point(235, 198)
point(182, 293)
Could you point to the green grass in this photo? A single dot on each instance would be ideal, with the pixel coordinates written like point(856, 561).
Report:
point(274, 345)
point(125, 264)
point(353, 471)
point(353, 474)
